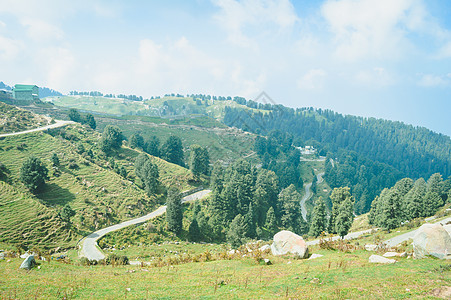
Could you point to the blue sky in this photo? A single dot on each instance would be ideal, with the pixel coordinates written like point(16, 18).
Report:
point(380, 58)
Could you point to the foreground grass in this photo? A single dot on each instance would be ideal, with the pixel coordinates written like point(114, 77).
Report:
point(339, 276)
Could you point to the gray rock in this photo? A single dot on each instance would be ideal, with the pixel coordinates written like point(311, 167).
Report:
point(314, 255)
point(28, 263)
point(432, 239)
point(265, 248)
point(371, 247)
point(380, 259)
point(395, 254)
point(2, 255)
point(288, 242)
point(267, 261)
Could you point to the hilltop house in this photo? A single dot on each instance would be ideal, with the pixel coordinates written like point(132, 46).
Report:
point(24, 92)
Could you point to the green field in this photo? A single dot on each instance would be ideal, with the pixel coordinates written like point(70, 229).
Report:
point(336, 275)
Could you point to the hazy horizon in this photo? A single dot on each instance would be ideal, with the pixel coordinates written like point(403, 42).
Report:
point(369, 58)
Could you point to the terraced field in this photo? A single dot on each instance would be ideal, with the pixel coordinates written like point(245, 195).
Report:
point(99, 196)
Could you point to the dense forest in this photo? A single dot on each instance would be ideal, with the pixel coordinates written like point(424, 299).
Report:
point(370, 154)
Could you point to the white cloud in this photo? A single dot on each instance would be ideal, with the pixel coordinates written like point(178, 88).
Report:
point(59, 66)
point(376, 77)
point(370, 28)
point(9, 48)
point(237, 17)
point(434, 80)
point(40, 30)
point(312, 80)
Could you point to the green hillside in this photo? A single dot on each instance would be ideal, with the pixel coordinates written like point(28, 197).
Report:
point(13, 119)
point(85, 180)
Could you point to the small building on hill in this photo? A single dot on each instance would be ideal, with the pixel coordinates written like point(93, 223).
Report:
point(25, 92)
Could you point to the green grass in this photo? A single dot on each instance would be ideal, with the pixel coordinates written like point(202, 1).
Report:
point(13, 119)
point(223, 144)
point(339, 276)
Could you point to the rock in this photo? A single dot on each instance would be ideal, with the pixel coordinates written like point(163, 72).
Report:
point(380, 259)
point(25, 255)
point(289, 242)
point(394, 254)
point(448, 228)
point(2, 255)
point(314, 255)
point(371, 247)
point(314, 280)
point(233, 251)
point(432, 239)
point(28, 263)
point(265, 248)
point(267, 261)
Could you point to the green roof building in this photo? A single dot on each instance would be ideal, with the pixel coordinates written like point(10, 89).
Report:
point(25, 92)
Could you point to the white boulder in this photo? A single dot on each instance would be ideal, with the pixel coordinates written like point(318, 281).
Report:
point(288, 242)
point(380, 259)
point(432, 239)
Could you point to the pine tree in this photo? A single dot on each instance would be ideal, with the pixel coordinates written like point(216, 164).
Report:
point(172, 151)
point(338, 196)
point(174, 214)
point(89, 119)
point(237, 232)
point(271, 222)
point(345, 216)
point(147, 172)
point(432, 202)
point(199, 161)
point(414, 200)
point(319, 221)
point(390, 213)
point(249, 219)
point(194, 231)
point(152, 146)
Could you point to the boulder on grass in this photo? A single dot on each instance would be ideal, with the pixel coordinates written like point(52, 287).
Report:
point(28, 263)
point(432, 239)
point(288, 242)
point(380, 259)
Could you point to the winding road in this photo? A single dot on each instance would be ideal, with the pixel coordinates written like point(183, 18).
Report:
point(308, 194)
point(58, 123)
point(88, 245)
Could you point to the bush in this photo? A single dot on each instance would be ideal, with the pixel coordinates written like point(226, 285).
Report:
point(114, 259)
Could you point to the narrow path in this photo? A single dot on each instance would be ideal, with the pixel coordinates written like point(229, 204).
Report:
point(308, 194)
point(58, 123)
point(88, 245)
point(394, 241)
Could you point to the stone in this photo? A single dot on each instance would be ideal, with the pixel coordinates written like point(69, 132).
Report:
point(432, 239)
point(2, 255)
point(380, 259)
point(371, 247)
point(314, 255)
point(393, 254)
point(314, 280)
point(28, 263)
point(288, 242)
point(267, 261)
point(265, 248)
point(448, 228)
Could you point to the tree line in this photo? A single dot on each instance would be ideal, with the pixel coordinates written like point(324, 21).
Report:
point(408, 200)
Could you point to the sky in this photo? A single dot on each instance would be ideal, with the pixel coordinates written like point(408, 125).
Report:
point(388, 59)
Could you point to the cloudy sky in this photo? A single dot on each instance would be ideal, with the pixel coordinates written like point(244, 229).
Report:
point(381, 58)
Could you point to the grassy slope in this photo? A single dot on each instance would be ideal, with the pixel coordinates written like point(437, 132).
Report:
point(225, 144)
point(93, 190)
point(13, 119)
point(340, 276)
